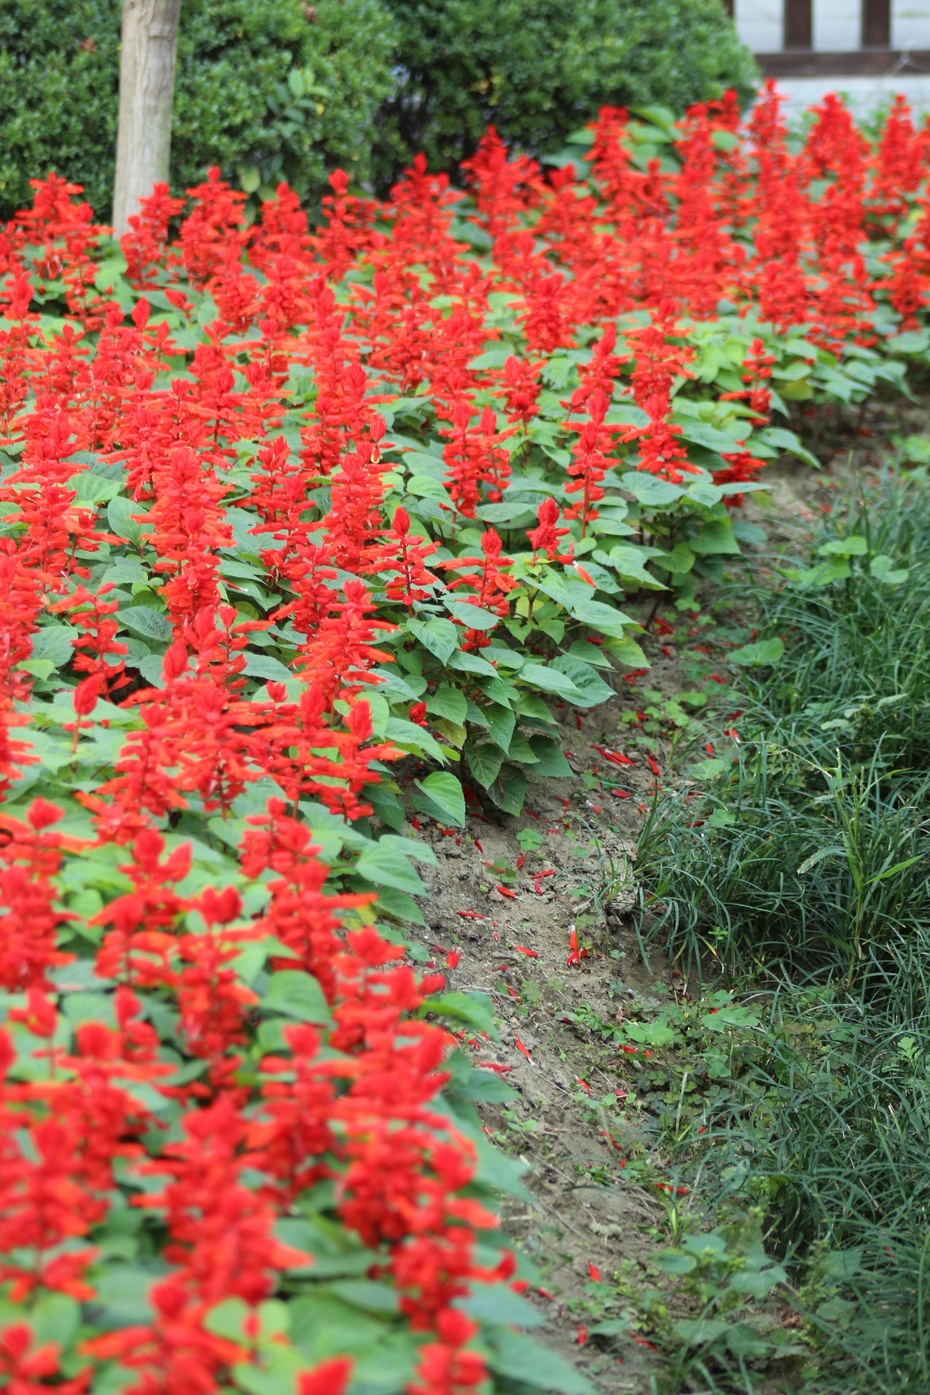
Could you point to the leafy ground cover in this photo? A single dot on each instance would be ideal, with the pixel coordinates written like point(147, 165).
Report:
point(312, 540)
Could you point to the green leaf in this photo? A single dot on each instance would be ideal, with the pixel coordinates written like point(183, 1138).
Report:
point(823, 575)
point(498, 1172)
point(367, 1294)
point(264, 666)
point(715, 538)
point(883, 569)
point(228, 1319)
point(603, 619)
point(152, 669)
point(382, 865)
point(443, 797)
point(679, 561)
point(293, 993)
point(386, 805)
point(399, 905)
point(758, 1283)
point(250, 177)
point(629, 562)
point(492, 358)
point(472, 663)
point(277, 1377)
point(911, 342)
point(54, 642)
point(108, 271)
point(509, 790)
point(550, 763)
point(700, 1332)
point(513, 514)
point(628, 652)
point(763, 652)
point(476, 1085)
point(410, 736)
point(475, 617)
point(590, 688)
point(122, 516)
point(496, 1304)
point(649, 489)
point(853, 546)
point(710, 437)
point(520, 751)
point(122, 1295)
point(521, 1359)
point(448, 702)
point(723, 1020)
point(705, 492)
point(743, 1340)
point(786, 440)
point(894, 870)
point(151, 624)
point(54, 1318)
point(428, 487)
point(39, 668)
point(674, 1262)
point(92, 489)
point(440, 637)
point(474, 1009)
point(125, 572)
point(484, 762)
point(500, 723)
point(841, 1264)
point(549, 680)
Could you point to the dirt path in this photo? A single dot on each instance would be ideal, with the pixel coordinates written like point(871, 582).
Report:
point(509, 892)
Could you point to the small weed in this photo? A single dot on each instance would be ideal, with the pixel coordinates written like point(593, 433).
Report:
point(721, 1319)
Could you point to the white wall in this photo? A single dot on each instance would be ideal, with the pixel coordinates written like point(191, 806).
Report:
point(837, 25)
point(863, 95)
point(910, 23)
point(760, 24)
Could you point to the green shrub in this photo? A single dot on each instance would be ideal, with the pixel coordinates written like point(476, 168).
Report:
point(234, 103)
point(537, 69)
point(59, 77)
point(238, 103)
point(282, 89)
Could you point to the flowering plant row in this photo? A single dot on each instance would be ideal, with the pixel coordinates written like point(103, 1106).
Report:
point(303, 534)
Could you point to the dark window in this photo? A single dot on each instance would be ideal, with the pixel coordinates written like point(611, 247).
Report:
point(876, 23)
point(798, 25)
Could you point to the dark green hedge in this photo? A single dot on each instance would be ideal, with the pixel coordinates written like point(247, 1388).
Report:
point(234, 107)
point(538, 69)
point(375, 81)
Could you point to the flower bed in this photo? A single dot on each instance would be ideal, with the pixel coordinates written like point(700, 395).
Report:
point(303, 535)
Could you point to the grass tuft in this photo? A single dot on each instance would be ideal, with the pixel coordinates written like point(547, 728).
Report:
point(806, 865)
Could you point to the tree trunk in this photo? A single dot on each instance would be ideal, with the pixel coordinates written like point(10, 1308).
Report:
point(146, 93)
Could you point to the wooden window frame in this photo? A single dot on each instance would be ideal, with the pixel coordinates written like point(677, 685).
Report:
point(876, 24)
point(798, 20)
point(860, 62)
